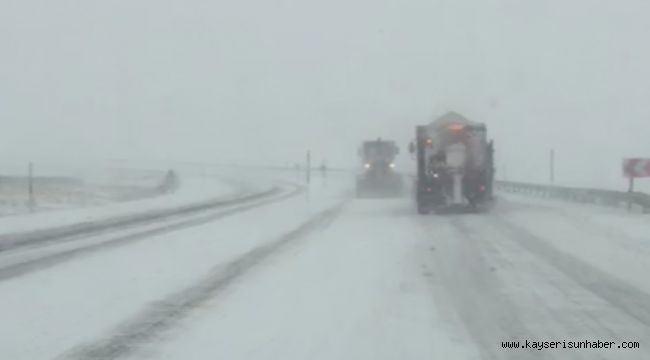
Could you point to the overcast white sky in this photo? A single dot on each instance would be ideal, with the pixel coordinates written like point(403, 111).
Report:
point(262, 81)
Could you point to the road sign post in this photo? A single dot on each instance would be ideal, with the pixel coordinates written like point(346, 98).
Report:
point(630, 194)
point(308, 169)
point(635, 168)
point(31, 201)
point(552, 166)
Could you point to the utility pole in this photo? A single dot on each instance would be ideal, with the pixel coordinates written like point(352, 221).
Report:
point(552, 166)
point(630, 193)
point(31, 202)
point(308, 170)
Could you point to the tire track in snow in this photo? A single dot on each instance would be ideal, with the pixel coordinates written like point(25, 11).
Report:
point(474, 292)
point(552, 304)
point(9, 242)
point(167, 313)
point(615, 291)
point(48, 261)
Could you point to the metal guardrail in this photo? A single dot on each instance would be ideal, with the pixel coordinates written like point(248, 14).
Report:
point(636, 200)
point(49, 180)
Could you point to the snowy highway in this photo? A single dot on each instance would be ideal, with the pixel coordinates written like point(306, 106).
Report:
point(201, 180)
point(312, 273)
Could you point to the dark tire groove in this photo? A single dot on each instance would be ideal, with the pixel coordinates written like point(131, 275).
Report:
point(489, 315)
point(613, 290)
point(165, 314)
point(49, 261)
point(73, 232)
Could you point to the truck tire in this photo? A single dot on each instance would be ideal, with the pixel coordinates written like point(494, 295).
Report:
point(423, 210)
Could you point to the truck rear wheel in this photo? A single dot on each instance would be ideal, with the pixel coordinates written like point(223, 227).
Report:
point(423, 210)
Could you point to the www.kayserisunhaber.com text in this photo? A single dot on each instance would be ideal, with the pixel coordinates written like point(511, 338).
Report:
point(564, 344)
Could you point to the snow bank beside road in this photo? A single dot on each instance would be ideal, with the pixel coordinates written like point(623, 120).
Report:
point(191, 190)
point(71, 190)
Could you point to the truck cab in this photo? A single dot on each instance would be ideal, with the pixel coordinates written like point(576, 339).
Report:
point(377, 175)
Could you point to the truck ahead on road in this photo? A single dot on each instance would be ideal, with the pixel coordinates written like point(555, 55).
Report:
point(455, 164)
point(378, 177)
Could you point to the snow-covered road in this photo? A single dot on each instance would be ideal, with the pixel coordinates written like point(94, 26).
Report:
point(324, 276)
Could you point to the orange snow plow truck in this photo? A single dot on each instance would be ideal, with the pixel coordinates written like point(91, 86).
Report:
point(455, 165)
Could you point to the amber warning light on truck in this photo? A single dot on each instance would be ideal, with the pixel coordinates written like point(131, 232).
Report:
point(455, 127)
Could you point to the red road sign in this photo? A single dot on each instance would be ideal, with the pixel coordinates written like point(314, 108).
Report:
point(634, 168)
